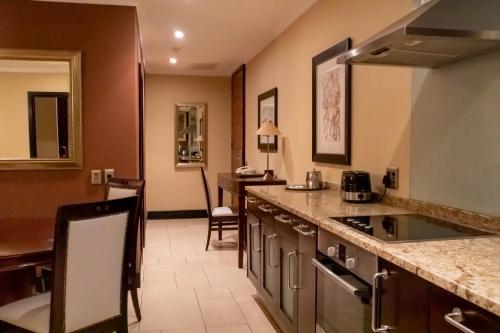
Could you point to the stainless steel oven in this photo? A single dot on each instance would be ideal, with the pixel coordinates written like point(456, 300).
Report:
point(344, 291)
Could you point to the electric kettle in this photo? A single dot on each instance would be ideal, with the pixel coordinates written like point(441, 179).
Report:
point(314, 180)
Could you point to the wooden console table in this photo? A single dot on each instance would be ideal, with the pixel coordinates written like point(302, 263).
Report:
point(236, 186)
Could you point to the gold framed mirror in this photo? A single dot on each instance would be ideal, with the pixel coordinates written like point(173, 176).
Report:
point(40, 109)
point(190, 135)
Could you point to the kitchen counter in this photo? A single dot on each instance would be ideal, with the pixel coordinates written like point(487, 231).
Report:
point(469, 268)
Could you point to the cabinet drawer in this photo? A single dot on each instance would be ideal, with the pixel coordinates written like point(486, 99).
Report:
point(475, 318)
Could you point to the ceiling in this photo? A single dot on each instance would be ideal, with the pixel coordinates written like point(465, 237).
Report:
point(220, 35)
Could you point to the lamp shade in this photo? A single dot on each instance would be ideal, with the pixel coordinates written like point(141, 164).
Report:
point(268, 129)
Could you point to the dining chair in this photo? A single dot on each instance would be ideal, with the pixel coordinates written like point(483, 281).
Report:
point(117, 188)
point(92, 252)
point(219, 218)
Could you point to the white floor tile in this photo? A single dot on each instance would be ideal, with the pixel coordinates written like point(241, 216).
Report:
point(177, 309)
point(204, 293)
point(186, 289)
point(229, 329)
point(255, 317)
point(187, 330)
point(221, 311)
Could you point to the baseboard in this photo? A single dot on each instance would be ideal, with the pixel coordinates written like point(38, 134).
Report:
point(177, 214)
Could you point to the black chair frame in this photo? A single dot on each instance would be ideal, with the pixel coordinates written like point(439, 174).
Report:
point(216, 223)
point(134, 280)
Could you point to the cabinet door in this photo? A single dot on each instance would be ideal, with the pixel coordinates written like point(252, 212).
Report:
point(307, 280)
point(253, 249)
point(404, 300)
point(474, 318)
point(270, 264)
point(288, 285)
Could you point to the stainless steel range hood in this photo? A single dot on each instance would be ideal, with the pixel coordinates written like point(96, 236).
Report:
point(437, 33)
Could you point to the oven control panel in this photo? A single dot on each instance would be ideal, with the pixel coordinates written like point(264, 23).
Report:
point(350, 256)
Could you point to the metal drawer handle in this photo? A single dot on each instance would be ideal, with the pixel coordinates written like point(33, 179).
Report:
point(269, 256)
point(281, 218)
point(290, 285)
point(454, 318)
point(375, 295)
point(361, 292)
point(300, 230)
point(266, 208)
point(253, 200)
point(253, 233)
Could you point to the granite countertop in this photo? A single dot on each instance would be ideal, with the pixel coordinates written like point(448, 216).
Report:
point(469, 268)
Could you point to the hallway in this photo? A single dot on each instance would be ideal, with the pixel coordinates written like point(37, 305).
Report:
point(188, 290)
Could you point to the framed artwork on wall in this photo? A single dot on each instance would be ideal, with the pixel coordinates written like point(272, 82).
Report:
point(331, 106)
point(268, 111)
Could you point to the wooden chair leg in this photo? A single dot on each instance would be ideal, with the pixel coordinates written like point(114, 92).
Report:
point(220, 231)
point(208, 236)
point(135, 302)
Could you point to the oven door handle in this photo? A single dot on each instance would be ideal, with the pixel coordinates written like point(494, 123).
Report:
point(360, 292)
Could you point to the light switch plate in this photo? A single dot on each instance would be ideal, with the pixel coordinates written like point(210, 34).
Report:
point(108, 174)
point(95, 177)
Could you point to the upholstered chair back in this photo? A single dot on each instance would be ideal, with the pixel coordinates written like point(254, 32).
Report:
point(92, 246)
point(120, 192)
point(118, 188)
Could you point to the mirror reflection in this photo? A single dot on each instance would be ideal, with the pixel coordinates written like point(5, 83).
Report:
point(48, 132)
point(40, 109)
point(190, 139)
point(34, 109)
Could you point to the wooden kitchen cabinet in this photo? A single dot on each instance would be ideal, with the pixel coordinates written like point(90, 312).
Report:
point(474, 318)
point(404, 300)
point(254, 249)
point(285, 279)
point(288, 285)
point(410, 304)
point(270, 264)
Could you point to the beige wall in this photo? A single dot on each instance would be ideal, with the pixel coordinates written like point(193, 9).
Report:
point(14, 87)
point(381, 96)
point(169, 188)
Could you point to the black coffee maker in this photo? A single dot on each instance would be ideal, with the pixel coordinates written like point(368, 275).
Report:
point(356, 186)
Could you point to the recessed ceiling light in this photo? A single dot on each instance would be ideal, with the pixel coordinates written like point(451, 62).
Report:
point(178, 34)
point(172, 60)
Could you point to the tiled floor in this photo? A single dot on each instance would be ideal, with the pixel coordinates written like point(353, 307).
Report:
point(188, 290)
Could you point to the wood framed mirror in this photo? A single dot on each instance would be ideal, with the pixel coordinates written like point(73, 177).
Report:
point(40, 109)
point(190, 135)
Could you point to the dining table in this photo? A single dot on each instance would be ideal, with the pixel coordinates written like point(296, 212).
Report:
point(25, 242)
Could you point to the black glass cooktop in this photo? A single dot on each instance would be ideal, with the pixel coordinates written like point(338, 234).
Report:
point(408, 227)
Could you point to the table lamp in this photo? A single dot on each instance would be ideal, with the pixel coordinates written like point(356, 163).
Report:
point(268, 129)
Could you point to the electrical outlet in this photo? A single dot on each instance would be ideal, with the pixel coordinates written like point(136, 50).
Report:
point(95, 177)
point(393, 174)
point(108, 174)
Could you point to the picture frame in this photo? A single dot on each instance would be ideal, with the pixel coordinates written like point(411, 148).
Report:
point(331, 106)
point(268, 110)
